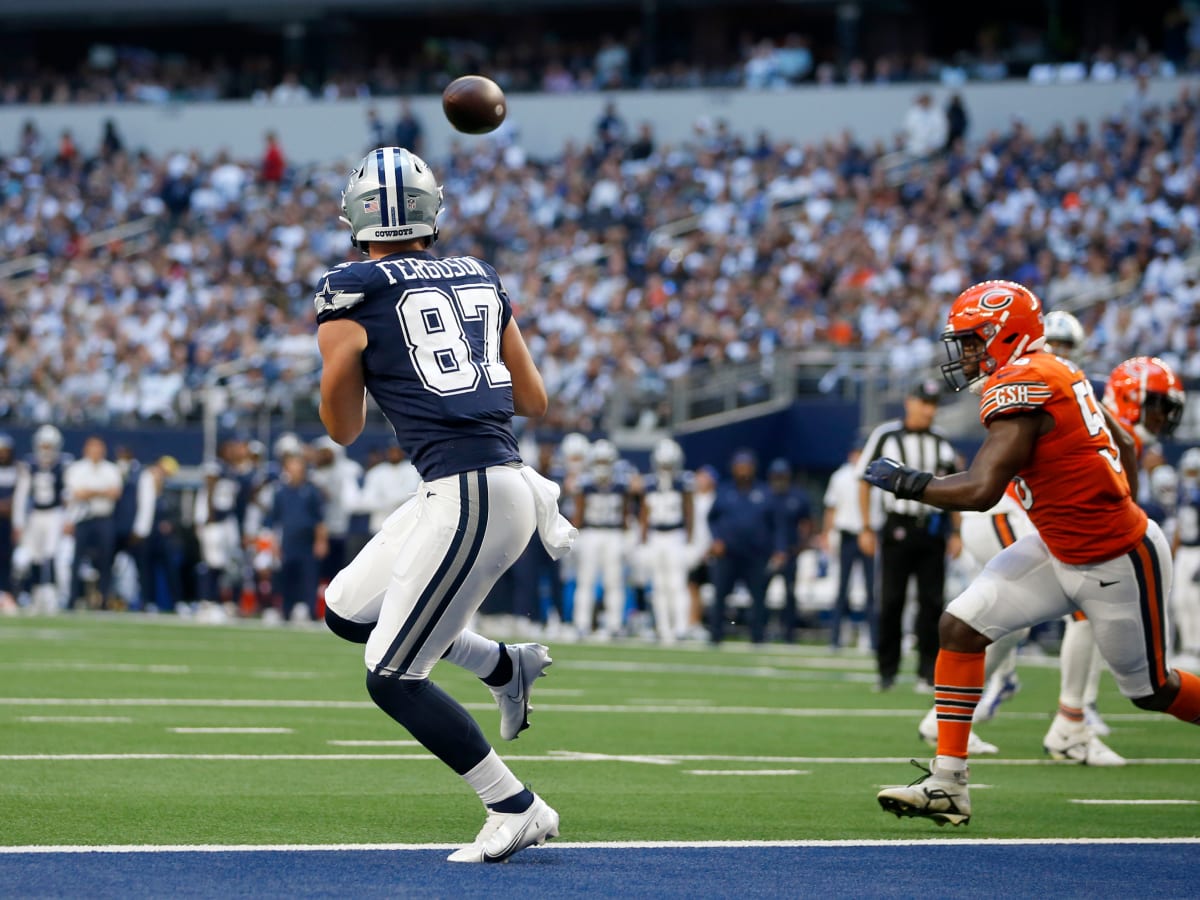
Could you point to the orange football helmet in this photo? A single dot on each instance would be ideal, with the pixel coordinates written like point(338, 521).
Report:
point(990, 324)
point(1146, 396)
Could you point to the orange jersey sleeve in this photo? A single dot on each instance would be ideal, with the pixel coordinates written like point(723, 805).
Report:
point(1073, 486)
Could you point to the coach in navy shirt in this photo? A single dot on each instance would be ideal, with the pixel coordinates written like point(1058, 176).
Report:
point(747, 534)
point(298, 514)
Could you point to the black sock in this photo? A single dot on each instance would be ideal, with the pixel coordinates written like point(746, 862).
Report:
point(503, 673)
point(433, 717)
point(517, 803)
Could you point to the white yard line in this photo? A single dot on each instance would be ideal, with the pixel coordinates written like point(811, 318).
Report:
point(230, 730)
point(750, 772)
point(1136, 802)
point(116, 720)
point(374, 743)
point(686, 707)
point(597, 845)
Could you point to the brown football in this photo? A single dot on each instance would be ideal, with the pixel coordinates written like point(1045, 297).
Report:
point(474, 104)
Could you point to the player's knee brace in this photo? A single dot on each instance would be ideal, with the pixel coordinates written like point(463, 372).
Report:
point(355, 632)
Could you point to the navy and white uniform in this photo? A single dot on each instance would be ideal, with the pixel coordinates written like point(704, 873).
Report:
point(667, 514)
point(39, 510)
point(432, 364)
point(220, 510)
point(602, 508)
point(1185, 597)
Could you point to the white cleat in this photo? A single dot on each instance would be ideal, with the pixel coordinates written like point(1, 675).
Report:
point(938, 795)
point(529, 662)
point(976, 746)
point(1091, 718)
point(504, 834)
point(1075, 742)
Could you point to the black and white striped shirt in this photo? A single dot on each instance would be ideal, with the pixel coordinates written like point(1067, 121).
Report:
point(927, 451)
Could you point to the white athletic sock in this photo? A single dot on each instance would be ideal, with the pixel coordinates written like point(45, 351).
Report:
point(1092, 689)
point(949, 764)
point(1075, 658)
point(475, 653)
point(492, 780)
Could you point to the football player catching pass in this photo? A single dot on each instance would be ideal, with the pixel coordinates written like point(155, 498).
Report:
point(1094, 549)
point(435, 344)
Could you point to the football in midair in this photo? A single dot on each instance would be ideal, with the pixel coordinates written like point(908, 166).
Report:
point(474, 104)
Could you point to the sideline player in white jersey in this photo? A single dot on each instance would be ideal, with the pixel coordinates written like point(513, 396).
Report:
point(435, 344)
point(666, 531)
point(39, 503)
point(1185, 596)
point(601, 506)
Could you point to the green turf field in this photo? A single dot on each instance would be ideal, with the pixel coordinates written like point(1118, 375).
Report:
point(629, 742)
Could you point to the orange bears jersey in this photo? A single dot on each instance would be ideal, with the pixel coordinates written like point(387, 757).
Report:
point(1073, 487)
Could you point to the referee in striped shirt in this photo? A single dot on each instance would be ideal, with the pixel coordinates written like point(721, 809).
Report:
point(915, 539)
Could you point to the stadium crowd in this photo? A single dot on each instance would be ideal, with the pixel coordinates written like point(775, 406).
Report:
point(772, 247)
point(129, 73)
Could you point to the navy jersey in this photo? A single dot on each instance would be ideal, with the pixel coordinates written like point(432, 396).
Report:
point(432, 361)
point(604, 503)
point(47, 484)
point(793, 509)
point(664, 497)
point(230, 495)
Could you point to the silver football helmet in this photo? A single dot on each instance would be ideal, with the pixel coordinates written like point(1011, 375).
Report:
point(1189, 467)
point(1164, 486)
point(47, 444)
point(391, 196)
point(1063, 329)
point(603, 457)
point(667, 455)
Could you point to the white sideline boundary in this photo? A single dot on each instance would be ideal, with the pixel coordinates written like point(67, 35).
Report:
point(593, 845)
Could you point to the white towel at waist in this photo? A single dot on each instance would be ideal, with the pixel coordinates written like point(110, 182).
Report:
point(557, 534)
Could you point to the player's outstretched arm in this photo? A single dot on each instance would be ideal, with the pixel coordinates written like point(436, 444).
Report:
point(529, 391)
point(343, 390)
point(1006, 450)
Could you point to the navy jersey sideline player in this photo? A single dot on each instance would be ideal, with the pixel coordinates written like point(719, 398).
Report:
point(435, 344)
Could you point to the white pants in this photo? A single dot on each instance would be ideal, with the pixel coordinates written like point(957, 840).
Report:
point(1185, 598)
point(42, 535)
point(220, 544)
point(1124, 599)
point(666, 551)
point(428, 570)
point(599, 552)
point(985, 534)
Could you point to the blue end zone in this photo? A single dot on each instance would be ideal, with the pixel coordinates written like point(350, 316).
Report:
point(904, 871)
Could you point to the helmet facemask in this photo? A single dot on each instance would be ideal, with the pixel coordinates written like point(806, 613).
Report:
point(968, 361)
